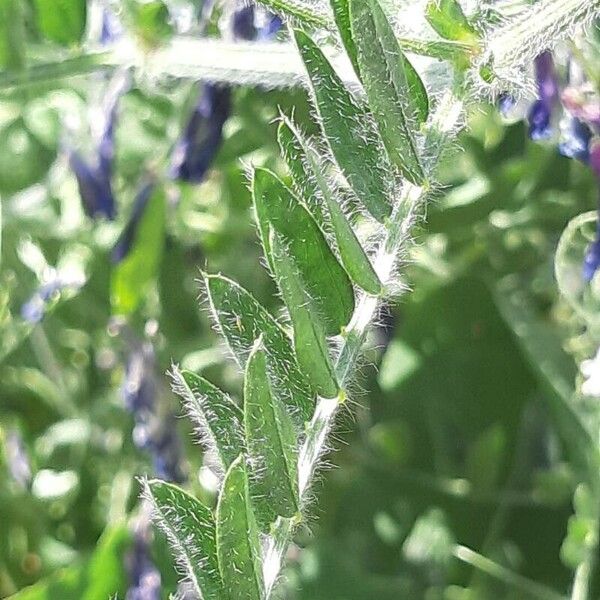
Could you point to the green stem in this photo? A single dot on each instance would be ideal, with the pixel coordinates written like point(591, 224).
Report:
point(531, 588)
point(50, 72)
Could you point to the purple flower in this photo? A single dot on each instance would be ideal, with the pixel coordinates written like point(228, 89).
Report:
point(591, 261)
point(17, 459)
point(111, 27)
point(201, 139)
point(35, 308)
point(125, 241)
point(94, 177)
point(540, 113)
point(145, 580)
point(155, 428)
point(242, 24)
point(575, 139)
point(506, 102)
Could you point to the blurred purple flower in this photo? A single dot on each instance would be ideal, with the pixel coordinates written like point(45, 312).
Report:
point(540, 113)
point(34, 309)
point(583, 102)
point(155, 429)
point(125, 241)
point(506, 102)
point(17, 459)
point(575, 139)
point(202, 136)
point(242, 23)
point(111, 29)
point(591, 261)
point(144, 577)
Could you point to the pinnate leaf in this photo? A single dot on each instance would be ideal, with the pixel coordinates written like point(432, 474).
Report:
point(271, 444)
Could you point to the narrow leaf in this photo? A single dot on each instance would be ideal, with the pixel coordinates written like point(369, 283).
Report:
point(238, 544)
point(310, 342)
point(394, 90)
point(295, 158)
point(242, 320)
point(216, 415)
point(190, 529)
point(304, 163)
point(449, 21)
point(341, 14)
point(271, 444)
point(327, 284)
point(349, 131)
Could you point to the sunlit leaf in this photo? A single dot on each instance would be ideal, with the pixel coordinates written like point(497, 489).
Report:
point(449, 21)
point(349, 131)
point(62, 21)
point(303, 162)
point(326, 282)
point(271, 444)
point(190, 529)
point(395, 92)
point(242, 320)
point(238, 544)
point(215, 414)
point(310, 342)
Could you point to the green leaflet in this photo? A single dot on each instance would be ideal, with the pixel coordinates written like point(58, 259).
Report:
point(131, 277)
point(327, 284)
point(271, 444)
point(295, 158)
point(394, 90)
point(310, 342)
point(341, 14)
point(242, 320)
point(238, 544)
point(353, 256)
point(62, 21)
point(449, 21)
point(348, 130)
point(216, 415)
point(190, 529)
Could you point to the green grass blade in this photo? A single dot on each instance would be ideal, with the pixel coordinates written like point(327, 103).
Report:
point(310, 342)
point(217, 417)
point(327, 283)
point(242, 320)
point(271, 443)
point(350, 133)
point(394, 90)
point(190, 529)
point(238, 543)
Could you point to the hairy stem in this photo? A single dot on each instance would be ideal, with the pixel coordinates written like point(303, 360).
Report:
point(443, 126)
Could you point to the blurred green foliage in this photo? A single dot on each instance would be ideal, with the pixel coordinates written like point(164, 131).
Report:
point(468, 433)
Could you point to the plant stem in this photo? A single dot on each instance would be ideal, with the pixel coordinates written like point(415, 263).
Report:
point(493, 569)
point(443, 125)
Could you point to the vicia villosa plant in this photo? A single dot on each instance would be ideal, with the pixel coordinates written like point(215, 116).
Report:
point(335, 235)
